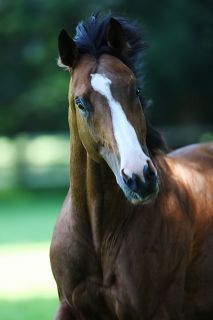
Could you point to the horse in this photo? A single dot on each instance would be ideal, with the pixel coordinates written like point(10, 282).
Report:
point(134, 239)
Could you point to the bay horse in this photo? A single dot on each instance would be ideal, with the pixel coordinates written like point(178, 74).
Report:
point(134, 239)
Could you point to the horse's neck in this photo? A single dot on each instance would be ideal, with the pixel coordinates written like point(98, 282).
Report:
point(94, 192)
point(96, 198)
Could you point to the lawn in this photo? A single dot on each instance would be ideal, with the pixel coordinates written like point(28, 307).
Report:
point(27, 288)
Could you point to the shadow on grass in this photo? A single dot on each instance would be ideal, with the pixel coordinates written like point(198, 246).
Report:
point(29, 309)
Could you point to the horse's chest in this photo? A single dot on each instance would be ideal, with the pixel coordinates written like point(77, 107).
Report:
point(140, 282)
point(129, 283)
point(131, 279)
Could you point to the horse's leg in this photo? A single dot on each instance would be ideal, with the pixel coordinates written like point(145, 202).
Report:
point(64, 312)
point(89, 300)
point(162, 314)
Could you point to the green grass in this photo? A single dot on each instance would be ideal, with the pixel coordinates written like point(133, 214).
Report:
point(28, 216)
point(29, 309)
point(27, 288)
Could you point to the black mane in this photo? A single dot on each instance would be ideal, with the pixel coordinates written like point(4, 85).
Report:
point(90, 38)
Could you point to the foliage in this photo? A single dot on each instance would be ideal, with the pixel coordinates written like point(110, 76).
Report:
point(179, 61)
point(177, 66)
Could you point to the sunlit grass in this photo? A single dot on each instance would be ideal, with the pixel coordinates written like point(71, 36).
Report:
point(25, 272)
point(27, 287)
point(28, 290)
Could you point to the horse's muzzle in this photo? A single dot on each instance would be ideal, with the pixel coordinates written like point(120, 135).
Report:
point(140, 190)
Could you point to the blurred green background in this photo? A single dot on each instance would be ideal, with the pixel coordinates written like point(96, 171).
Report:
point(34, 141)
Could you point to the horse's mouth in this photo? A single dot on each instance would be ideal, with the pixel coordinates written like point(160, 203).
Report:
point(144, 197)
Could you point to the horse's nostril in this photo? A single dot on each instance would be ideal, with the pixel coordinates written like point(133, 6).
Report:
point(149, 171)
point(131, 182)
point(136, 184)
point(125, 176)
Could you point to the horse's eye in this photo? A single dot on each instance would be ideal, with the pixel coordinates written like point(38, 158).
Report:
point(138, 91)
point(81, 104)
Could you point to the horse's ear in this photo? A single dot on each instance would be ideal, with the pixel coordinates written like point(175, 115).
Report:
point(116, 37)
point(68, 51)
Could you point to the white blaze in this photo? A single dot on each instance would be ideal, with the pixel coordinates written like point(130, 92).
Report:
point(132, 156)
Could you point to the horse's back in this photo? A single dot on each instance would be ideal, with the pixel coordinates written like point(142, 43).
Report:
point(192, 168)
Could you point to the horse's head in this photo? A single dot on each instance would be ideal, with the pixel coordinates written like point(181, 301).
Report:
point(110, 118)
